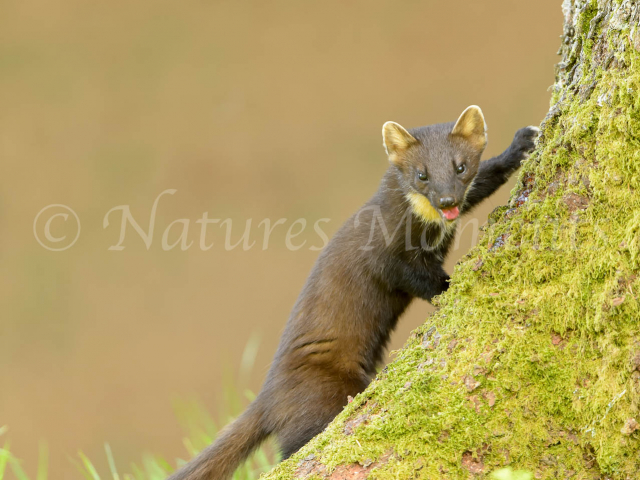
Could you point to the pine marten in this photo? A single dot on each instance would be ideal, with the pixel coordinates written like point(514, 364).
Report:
point(390, 252)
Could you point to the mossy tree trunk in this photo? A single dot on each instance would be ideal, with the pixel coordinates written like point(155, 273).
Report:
point(533, 359)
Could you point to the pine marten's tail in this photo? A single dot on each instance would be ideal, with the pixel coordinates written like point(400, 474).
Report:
point(234, 444)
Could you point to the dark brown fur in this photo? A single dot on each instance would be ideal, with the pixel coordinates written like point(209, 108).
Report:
point(334, 340)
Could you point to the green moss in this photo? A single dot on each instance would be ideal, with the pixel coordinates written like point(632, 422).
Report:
point(534, 364)
point(588, 13)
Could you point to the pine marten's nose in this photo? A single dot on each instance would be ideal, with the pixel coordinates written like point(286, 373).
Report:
point(446, 202)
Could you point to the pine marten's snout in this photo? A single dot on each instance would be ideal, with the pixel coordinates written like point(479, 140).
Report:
point(448, 205)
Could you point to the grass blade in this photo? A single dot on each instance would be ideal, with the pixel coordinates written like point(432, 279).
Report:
point(111, 461)
point(4, 458)
point(14, 463)
point(89, 470)
point(43, 461)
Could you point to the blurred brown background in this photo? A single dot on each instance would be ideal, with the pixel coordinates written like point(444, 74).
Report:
point(250, 110)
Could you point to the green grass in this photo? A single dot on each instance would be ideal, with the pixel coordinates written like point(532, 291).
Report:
point(200, 430)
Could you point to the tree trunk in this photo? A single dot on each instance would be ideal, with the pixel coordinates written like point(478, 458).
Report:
point(533, 359)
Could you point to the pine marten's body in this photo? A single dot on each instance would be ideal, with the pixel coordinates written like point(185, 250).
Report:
point(388, 253)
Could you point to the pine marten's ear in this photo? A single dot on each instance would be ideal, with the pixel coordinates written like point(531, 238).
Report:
point(472, 127)
point(396, 140)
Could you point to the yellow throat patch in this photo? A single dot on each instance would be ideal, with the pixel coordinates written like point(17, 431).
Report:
point(423, 208)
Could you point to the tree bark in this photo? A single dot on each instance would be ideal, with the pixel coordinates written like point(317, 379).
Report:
point(533, 358)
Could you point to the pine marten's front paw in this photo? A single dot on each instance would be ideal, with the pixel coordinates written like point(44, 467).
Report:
point(522, 145)
point(524, 142)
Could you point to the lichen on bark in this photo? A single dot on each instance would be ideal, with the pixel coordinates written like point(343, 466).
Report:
point(533, 358)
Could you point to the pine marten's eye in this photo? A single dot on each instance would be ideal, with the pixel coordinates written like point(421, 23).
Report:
point(460, 169)
point(422, 176)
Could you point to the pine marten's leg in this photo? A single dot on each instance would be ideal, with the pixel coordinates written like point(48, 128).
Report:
point(493, 173)
point(421, 283)
point(317, 402)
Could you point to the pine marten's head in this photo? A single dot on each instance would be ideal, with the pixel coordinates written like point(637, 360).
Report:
point(437, 164)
